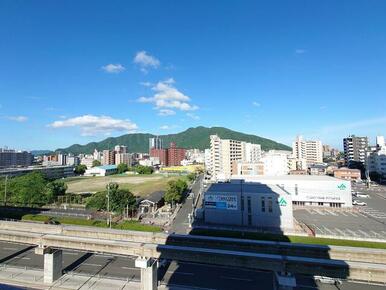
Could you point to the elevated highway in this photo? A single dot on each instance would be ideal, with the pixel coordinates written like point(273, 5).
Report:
point(339, 262)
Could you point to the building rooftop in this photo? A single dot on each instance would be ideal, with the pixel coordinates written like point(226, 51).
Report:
point(107, 167)
point(249, 187)
point(285, 178)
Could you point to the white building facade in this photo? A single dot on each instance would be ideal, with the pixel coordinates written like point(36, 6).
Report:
point(309, 150)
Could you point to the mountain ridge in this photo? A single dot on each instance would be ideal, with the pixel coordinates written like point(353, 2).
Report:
point(194, 137)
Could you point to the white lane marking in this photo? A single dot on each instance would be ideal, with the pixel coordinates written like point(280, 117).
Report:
point(92, 265)
point(26, 258)
point(181, 273)
point(129, 268)
point(71, 253)
point(339, 231)
point(236, 278)
point(364, 233)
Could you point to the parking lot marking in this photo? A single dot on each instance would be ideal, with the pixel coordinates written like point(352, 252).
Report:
point(343, 213)
point(340, 231)
point(363, 233)
point(328, 230)
point(331, 213)
point(353, 214)
point(352, 232)
point(320, 212)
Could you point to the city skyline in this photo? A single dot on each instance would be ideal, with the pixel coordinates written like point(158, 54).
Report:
point(128, 69)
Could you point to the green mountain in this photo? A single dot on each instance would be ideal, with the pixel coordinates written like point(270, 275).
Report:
point(191, 138)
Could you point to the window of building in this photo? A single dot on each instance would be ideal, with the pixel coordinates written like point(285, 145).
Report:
point(249, 204)
point(296, 189)
point(263, 204)
point(249, 219)
point(242, 203)
point(269, 204)
point(320, 203)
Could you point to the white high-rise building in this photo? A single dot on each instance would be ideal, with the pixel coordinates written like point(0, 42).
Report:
point(155, 142)
point(125, 158)
point(275, 162)
point(224, 154)
point(309, 150)
point(251, 152)
point(376, 158)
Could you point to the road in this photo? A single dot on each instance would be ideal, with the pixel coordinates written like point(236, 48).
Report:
point(173, 274)
point(180, 224)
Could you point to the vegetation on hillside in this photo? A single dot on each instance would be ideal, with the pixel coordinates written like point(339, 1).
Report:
point(191, 138)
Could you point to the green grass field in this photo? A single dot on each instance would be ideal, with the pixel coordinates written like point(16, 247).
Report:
point(140, 185)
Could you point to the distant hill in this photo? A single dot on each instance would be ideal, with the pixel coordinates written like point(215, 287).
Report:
point(191, 138)
point(40, 152)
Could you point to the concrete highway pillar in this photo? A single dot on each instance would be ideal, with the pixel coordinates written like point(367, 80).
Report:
point(52, 263)
point(284, 281)
point(148, 268)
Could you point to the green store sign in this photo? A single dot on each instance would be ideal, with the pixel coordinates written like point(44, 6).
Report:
point(282, 201)
point(342, 186)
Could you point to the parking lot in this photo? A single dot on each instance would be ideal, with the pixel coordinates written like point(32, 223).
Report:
point(367, 221)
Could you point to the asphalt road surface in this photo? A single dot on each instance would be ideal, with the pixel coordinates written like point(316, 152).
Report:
point(189, 275)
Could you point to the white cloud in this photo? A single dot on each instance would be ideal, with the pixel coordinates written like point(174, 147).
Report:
point(167, 98)
point(113, 68)
point(92, 125)
point(193, 116)
point(146, 61)
point(146, 84)
point(166, 112)
point(300, 51)
point(256, 104)
point(165, 127)
point(18, 118)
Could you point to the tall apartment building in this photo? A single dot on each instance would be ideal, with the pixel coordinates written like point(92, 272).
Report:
point(108, 157)
point(175, 155)
point(355, 149)
point(125, 158)
point(251, 152)
point(13, 158)
point(120, 149)
point(376, 158)
point(155, 143)
point(55, 160)
point(225, 153)
point(309, 150)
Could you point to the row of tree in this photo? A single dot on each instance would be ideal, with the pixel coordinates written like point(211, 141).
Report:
point(31, 189)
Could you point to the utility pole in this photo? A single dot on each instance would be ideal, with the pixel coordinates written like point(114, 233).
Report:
point(5, 191)
point(108, 204)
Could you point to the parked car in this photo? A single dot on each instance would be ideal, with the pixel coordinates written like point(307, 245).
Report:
point(363, 195)
point(327, 280)
point(357, 202)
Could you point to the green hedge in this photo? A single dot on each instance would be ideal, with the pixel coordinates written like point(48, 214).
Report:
point(290, 239)
point(127, 225)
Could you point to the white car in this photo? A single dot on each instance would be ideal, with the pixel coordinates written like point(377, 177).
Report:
point(327, 280)
point(357, 202)
point(363, 195)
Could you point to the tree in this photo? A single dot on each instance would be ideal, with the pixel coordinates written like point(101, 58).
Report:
point(80, 169)
point(119, 199)
point(122, 168)
point(191, 176)
point(140, 169)
point(54, 189)
point(96, 163)
point(175, 190)
point(28, 189)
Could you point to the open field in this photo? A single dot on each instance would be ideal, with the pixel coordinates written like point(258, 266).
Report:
point(141, 185)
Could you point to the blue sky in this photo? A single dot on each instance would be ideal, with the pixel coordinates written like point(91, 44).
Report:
point(79, 71)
